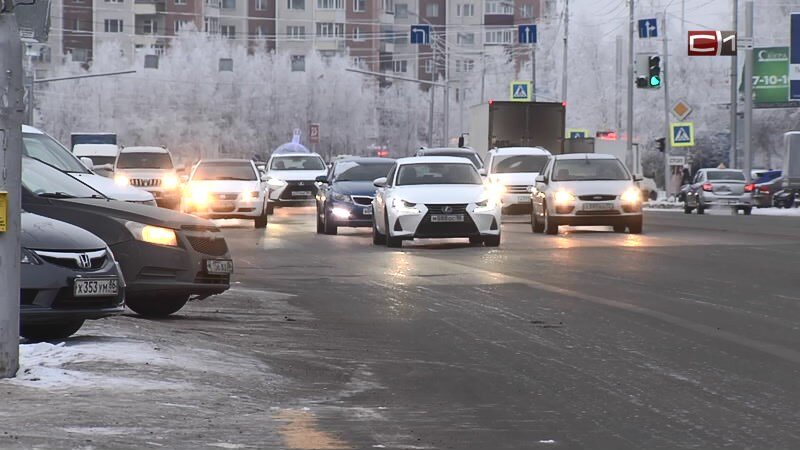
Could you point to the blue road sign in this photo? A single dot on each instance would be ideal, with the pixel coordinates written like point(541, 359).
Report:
point(421, 34)
point(794, 59)
point(648, 28)
point(682, 134)
point(520, 91)
point(527, 34)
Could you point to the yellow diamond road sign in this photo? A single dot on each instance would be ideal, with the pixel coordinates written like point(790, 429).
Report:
point(681, 134)
point(681, 110)
point(520, 91)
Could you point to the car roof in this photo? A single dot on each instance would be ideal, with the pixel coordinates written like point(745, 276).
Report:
point(584, 156)
point(143, 149)
point(281, 155)
point(433, 159)
point(365, 159)
point(31, 130)
point(96, 149)
point(225, 160)
point(435, 150)
point(714, 169)
point(521, 151)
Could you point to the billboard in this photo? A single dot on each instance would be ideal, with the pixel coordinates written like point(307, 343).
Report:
point(771, 78)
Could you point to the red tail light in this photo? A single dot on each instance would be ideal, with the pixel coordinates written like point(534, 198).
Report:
point(749, 187)
point(708, 187)
point(763, 189)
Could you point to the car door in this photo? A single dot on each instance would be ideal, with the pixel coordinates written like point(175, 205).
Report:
point(381, 194)
point(323, 189)
point(697, 187)
point(540, 189)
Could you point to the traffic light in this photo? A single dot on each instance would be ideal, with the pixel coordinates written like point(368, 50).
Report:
point(661, 144)
point(648, 71)
point(654, 72)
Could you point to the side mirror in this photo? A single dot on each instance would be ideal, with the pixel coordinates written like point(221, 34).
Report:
point(263, 177)
point(482, 172)
point(541, 179)
point(638, 178)
point(88, 163)
point(322, 179)
point(380, 182)
point(106, 167)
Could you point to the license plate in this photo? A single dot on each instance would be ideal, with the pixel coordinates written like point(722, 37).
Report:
point(597, 206)
point(301, 193)
point(438, 218)
point(728, 202)
point(367, 211)
point(523, 198)
point(95, 287)
point(219, 266)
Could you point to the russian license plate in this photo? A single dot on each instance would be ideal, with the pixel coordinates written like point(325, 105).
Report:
point(728, 202)
point(90, 287)
point(368, 211)
point(301, 193)
point(523, 198)
point(447, 218)
point(219, 266)
point(597, 206)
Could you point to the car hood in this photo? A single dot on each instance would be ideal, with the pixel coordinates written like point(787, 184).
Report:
point(225, 185)
point(145, 173)
point(149, 215)
point(365, 188)
point(600, 187)
point(296, 175)
point(515, 179)
point(426, 193)
point(110, 189)
point(42, 233)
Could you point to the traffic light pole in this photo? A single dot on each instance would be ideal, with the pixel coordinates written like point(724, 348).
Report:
point(748, 93)
point(629, 128)
point(12, 112)
point(566, 48)
point(732, 159)
point(665, 85)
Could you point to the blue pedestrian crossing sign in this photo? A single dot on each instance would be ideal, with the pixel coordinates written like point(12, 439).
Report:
point(577, 133)
point(527, 34)
point(421, 34)
point(520, 91)
point(682, 134)
point(648, 28)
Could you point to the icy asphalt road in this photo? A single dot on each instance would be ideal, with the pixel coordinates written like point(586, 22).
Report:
point(685, 337)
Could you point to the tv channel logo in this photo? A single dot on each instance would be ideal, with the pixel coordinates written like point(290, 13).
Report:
point(712, 43)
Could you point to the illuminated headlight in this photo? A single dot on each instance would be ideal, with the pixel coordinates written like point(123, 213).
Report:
point(632, 196)
point(563, 198)
point(341, 213)
point(197, 196)
point(340, 197)
point(121, 180)
point(28, 257)
point(250, 196)
point(403, 206)
point(276, 183)
point(152, 234)
point(170, 182)
point(487, 205)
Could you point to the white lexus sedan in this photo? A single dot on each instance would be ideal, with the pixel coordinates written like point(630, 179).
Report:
point(435, 197)
point(586, 189)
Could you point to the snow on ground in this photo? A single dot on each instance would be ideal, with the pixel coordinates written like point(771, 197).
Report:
point(791, 212)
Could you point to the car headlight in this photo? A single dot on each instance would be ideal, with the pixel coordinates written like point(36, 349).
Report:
point(401, 205)
point(340, 197)
point(276, 183)
point(152, 234)
point(631, 196)
point(486, 205)
point(121, 180)
point(28, 257)
point(563, 198)
point(170, 182)
point(197, 196)
point(250, 196)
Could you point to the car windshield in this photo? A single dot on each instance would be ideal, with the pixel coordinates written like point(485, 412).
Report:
point(47, 181)
point(725, 175)
point(589, 169)
point(225, 171)
point(297, 163)
point(144, 160)
point(48, 150)
point(473, 157)
point(355, 171)
point(519, 163)
point(437, 173)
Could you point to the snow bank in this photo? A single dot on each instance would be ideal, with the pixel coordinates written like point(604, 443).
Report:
point(791, 212)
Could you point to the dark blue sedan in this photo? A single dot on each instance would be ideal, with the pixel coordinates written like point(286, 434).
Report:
point(344, 198)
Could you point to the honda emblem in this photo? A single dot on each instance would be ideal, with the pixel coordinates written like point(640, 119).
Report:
point(83, 261)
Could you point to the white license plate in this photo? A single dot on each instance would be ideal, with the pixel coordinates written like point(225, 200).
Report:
point(728, 202)
point(439, 218)
point(219, 266)
point(88, 287)
point(523, 198)
point(597, 206)
point(367, 211)
point(301, 193)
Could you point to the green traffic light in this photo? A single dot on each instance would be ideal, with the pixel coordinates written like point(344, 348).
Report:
point(655, 81)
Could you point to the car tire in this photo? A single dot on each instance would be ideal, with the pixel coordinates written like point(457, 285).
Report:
point(549, 227)
point(270, 209)
point(320, 224)
point(391, 241)
point(50, 331)
point(686, 208)
point(163, 306)
point(536, 226)
point(377, 237)
point(747, 210)
point(475, 240)
point(635, 225)
point(262, 220)
point(492, 241)
point(328, 227)
point(700, 209)
point(620, 228)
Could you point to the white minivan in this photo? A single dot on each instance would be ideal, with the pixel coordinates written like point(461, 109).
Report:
point(513, 170)
point(102, 157)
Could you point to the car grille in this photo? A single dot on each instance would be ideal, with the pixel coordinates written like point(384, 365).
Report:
point(205, 278)
point(226, 196)
point(66, 300)
point(597, 198)
point(223, 209)
point(145, 182)
point(362, 200)
point(207, 245)
point(294, 186)
point(517, 189)
point(211, 229)
point(427, 228)
point(439, 209)
point(83, 261)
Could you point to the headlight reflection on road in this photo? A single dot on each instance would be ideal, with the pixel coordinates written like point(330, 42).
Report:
point(399, 268)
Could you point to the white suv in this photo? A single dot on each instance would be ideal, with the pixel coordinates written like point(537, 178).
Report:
point(514, 171)
point(151, 169)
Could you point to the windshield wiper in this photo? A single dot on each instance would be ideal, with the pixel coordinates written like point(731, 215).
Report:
point(55, 195)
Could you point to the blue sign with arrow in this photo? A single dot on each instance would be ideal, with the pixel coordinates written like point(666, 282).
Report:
point(648, 28)
point(527, 34)
point(421, 34)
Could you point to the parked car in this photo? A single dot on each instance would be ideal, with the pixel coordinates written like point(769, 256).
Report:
point(68, 276)
point(586, 189)
point(39, 145)
point(151, 169)
point(345, 195)
point(226, 189)
point(457, 152)
point(291, 179)
point(514, 171)
point(99, 157)
point(719, 187)
point(434, 197)
point(765, 187)
point(166, 257)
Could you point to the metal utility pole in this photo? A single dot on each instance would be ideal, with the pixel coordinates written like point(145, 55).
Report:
point(533, 72)
point(446, 136)
point(733, 157)
point(12, 111)
point(629, 128)
point(665, 84)
point(566, 47)
point(618, 86)
point(433, 91)
point(748, 92)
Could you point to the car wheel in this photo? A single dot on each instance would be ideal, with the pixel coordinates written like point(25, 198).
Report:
point(391, 241)
point(700, 208)
point(262, 220)
point(270, 209)
point(748, 210)
point(159, 307)
point(635, 225)
point(492, 241)
point(549, 227)
point(686, 208)
point(320, 225)
point(475, 240)
point(620, 228)
point(50, 331)
point(329, 228)
point(377, 237)
point(536, 226)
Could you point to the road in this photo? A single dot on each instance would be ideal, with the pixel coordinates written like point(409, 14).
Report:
point(684, 337)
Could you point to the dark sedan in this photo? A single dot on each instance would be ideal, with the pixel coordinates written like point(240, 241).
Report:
point(344, 198)
point(166, 257)
point(68, 276)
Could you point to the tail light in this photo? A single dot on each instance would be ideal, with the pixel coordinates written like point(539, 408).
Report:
point(764, 189)
point(708, 187)
point(749, 187)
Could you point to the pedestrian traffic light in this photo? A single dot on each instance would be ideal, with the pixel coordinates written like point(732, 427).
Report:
point(661, 144)
point(654, 71)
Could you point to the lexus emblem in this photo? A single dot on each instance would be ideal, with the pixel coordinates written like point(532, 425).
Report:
point(83, 261)
point(598, 197)
point(447, 209)
point(301, 184)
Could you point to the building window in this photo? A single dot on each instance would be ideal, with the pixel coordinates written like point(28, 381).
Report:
point(181, 24)
point(330, 30)
point(400, 66)
point(296, 33)
point(358, 34)
point(211, 25)
point(499, 7)
point(298, 63)
point(432, 10)
point(79, 54)
point(359, 5)
point(180, 2)
point(465, 65)
point(149, 26)
point(388, 6)
point(228, 31)
point(359, 61)
point(261, 5)
point(428, 66)
point(113, 26)
point(401, 11)
point(465, 38)
point(261, 32)
point(296, 4)
point(465, 10)
point(229, 4)
point(114, 1)
point(498, 37)
point(526, 11)
point(330, 4)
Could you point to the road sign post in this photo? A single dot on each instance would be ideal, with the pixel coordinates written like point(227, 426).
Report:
point(421, 34)
point(648, 28)
point(681, 134)
point(520, 91)
point(313, 133)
